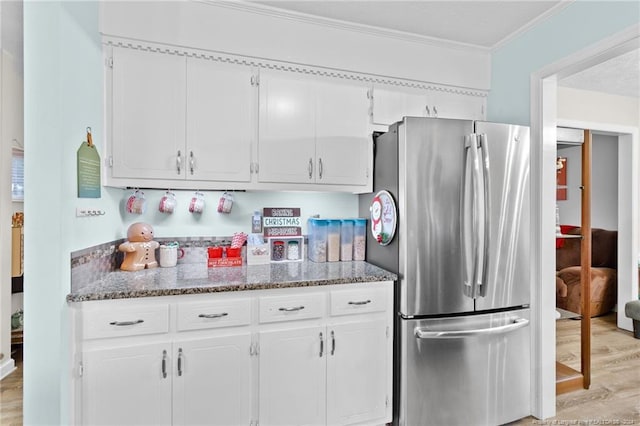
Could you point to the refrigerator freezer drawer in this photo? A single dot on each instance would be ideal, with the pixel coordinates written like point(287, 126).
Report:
point(470, 370)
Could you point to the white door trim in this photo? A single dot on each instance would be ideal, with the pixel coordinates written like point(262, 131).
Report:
point(543, 153)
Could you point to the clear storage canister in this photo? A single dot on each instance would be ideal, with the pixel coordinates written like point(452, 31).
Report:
point(333, 240)
point(359, 238)
point(293, 250)
point(278, 250)
point(346, 240)
point(317, 240)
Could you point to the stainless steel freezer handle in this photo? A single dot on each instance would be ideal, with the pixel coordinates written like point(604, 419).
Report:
point(456, 334)
point(486, 211)
point(471, 275)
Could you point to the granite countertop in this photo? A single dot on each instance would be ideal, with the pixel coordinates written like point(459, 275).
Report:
point(197, 278)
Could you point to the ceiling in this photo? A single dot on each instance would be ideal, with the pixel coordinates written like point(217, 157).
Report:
point(476, 23)
point(479, 23)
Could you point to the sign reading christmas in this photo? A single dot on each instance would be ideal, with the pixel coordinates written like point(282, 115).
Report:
point(281, 222)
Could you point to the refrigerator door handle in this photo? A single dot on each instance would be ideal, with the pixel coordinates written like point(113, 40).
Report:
point(517, 323)
point(471, 275)
point(486, 212)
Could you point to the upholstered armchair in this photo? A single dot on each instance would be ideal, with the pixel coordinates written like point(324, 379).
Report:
point(604, 253)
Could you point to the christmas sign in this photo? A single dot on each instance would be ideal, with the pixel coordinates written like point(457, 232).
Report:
point(281, 222)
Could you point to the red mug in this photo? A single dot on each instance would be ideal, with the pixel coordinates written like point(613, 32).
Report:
point(214, 252)
point(233, 251)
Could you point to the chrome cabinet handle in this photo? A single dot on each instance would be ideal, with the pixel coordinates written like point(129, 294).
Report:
point(124, 323)
point(180, 362)
point(291, 309)
point(320, 168)
point(426, 107)
point(435, 111)
point(362, 302)
point(321, 345)
point(310, 168)
point(191, 161)
point(333, 343)
point(179, 162)
point(164, 364)
point(220, 315)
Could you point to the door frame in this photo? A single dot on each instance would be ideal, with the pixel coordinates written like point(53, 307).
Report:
point(543, 165)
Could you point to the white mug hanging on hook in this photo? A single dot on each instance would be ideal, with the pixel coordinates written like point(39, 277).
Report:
point(136, 203)
point(196, 205)
point(226, 203)
point(167, 202)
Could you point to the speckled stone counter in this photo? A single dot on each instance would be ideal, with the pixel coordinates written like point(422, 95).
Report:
point(197, 278)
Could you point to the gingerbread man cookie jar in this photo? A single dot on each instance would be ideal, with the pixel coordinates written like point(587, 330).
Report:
point(140, 250)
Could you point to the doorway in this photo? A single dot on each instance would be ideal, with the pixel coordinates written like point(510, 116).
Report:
point(544, 120)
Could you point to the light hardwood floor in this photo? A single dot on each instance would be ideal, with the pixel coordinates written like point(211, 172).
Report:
point(11, 394)
point(614, 395)
point(613, 399)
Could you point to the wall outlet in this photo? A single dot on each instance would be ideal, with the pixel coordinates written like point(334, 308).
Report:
point(89, 212)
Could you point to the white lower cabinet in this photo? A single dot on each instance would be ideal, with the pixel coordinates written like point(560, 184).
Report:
point(297, 356)
point(164, 384)
point(293, 376)
point(126, 386)
point(356, 364)
point(212, 381)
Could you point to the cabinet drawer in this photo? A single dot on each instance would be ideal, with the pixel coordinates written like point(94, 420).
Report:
point(288, 308)
point(125, 321)
point(348, 302)
point(214, 314)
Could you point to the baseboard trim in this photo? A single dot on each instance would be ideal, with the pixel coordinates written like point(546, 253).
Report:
point(7, 367)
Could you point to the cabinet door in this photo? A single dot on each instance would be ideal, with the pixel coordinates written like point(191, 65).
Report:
point(212, 381)
point(357, 381)
point(292, 376)
point(126, 386)
point(390, 106)
point(455, 105)
point(220, 121)
point(286, 150)
point(148, 114)
point(342, 134)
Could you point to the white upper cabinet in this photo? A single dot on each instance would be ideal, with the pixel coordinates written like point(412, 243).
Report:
point(220, 121)
point(177, 119)
point(286, 151)
point(148, 114)
point(391, 105)
point(457, 105)
point(342, 134)
point(313, 131)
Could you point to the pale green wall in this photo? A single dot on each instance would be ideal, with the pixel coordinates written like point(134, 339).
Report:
point(578, 26)
point(63, 95)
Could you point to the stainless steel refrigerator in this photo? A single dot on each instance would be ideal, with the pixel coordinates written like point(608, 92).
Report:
point(461, 251)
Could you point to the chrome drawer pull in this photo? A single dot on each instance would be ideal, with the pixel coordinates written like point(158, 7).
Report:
point(321, 345)
point(362, 302)
point(223, 314)
point(292, 309)
point(123, 323)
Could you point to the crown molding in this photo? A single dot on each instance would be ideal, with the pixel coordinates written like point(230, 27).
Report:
point(264, 63)
point(254, 8)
